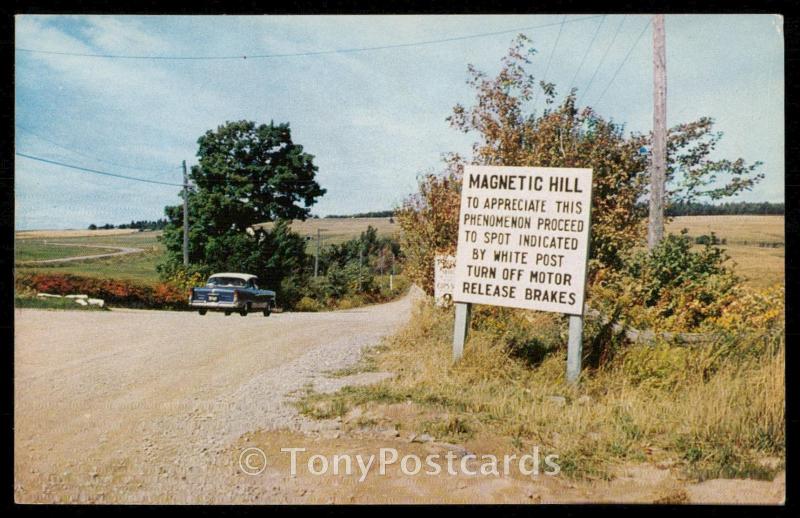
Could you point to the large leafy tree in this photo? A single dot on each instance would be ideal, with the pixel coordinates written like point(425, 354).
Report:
point(511, 132)
point(247, 175)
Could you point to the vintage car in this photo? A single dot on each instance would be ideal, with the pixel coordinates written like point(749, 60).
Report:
point(231, 292)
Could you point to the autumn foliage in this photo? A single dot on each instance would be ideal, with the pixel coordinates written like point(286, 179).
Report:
point(113, 292)
point(511, 132)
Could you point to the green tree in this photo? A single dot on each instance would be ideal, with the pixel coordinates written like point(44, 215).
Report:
point(247, 174)
point(511, 132)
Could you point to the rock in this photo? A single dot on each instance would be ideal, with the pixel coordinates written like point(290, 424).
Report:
point(48, 295)
point(390, 433)
point(353, 415)
point(459, 451)
point(422, 438)
point(82, 302)
point(534, 496)
point(556, 400)
point(96, 302)
point(77, 297)
point(665, 464)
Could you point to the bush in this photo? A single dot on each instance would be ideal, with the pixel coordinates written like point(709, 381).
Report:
point(113, 292)
point(671, 287)
point(308, 304)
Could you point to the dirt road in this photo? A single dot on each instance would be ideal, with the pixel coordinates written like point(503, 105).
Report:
point(138, 406)
point(120, 250)
point(159, 407)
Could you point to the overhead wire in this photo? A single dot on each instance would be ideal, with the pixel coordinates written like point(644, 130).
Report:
point(301, 54)
point(600, 63)
point(625, 60)
point(586, 54)
point(110, 162)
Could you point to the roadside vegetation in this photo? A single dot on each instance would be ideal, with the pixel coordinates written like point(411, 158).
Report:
point(28, 300)
point(710, 409)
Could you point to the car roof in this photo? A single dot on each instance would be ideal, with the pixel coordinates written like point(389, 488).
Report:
point(243, 276)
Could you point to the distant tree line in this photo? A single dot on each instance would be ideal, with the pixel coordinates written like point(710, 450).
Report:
point(725, 209)
point(377, 214)
point(144, 224)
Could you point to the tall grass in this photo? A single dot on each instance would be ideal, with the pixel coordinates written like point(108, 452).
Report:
point(709, 411)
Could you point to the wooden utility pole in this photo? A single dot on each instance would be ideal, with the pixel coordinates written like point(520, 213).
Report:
point(316, 256)
point(391, 275)
point(360, 266)
point(185, 216)
point(655, 230)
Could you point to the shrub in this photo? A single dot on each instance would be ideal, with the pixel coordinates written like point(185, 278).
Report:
point(307, 304)
point(114, 292)
point(670, 287)
point(184, 280)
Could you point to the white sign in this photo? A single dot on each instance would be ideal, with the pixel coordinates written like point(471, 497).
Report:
point(443, 279)
point(523, 237)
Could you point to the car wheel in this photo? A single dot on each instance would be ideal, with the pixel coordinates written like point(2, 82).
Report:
point(245, 310)
point(268, 309)
point(227, 313)
point(202, 311)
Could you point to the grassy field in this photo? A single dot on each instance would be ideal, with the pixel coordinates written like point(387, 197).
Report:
point(139, 267)
point(760, 266)
point(755, 244)
point(41, 249)
point(337, 230)
point(736, 229)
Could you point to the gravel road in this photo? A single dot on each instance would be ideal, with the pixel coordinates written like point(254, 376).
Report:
point(132, 406)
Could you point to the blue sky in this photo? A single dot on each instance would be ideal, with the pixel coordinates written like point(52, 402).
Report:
point(373, 120)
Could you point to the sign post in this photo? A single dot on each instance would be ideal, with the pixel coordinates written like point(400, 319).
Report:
point(574, 348)
point(461, 328)
point(523, 242)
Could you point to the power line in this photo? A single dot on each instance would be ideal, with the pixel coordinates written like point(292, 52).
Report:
point(586, 54)
point(105, 173)
point(94, 171)
point(310, 53)
point(600, 63)
point(27, 130)
point(624, 61)
point(552, 51)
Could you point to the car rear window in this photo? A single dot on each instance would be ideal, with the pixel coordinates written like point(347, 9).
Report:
point(225, 281)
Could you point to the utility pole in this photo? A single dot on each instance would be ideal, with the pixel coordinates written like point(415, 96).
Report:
point(655, 229)
point(360, 265)
point(316, 257)
point(185, 216)
point(391, 275)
